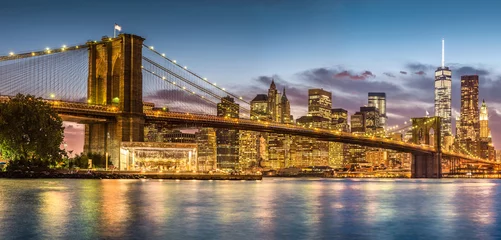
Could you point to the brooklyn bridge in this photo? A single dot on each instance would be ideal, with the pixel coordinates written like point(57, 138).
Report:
point(108, 85)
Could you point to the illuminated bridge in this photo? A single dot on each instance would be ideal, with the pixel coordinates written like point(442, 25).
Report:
point(108, 84)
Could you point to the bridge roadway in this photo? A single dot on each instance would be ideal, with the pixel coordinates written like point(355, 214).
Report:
point(71, 110)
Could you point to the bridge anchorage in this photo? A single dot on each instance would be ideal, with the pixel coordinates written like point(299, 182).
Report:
point(116, 89)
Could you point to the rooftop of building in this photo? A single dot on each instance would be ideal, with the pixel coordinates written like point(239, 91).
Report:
point(377, 94)
point(260, 97)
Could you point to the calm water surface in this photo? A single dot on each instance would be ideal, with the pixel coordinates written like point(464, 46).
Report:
point(267, 209)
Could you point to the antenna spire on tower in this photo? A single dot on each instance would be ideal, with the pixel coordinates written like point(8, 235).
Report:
point(443, 53)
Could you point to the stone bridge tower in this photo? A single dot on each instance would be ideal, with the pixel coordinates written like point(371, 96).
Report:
point(427, 165)
point(115, 80)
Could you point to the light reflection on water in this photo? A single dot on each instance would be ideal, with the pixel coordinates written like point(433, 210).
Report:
point(268, 209)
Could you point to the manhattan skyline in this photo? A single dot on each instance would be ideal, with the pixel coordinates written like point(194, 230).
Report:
point(347, 47)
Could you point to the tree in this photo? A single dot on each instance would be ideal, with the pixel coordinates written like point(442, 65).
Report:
point(30, 130)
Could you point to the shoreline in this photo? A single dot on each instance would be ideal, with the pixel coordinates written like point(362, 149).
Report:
point(126, 175)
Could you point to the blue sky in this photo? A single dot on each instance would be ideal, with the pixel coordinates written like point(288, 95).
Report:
point(244, 43)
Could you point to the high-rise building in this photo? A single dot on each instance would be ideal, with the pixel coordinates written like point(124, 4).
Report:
point(469, 126)
point(285, 107)
point(248, 149)
point(372, 119)
point(227, 139)
point(319, 103)
point(206, 146)
point(485, 131)
point(487, 150)
point(358, 123)
point(278, 144)
point(443, 84)
point(339, 120)
point(259, 107)
point(378, 100)
point(273, 100)
point(337, 151)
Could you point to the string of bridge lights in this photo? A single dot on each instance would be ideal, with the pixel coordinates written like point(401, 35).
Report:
point(152, 49)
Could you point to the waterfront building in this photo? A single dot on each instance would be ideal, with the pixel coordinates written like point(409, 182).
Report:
point(176, 136)
point(319, 103)
point(227, 139)
point(205, 139)
point(337, 151)
point(443, 85)
point(377, 158)
point(378, 100)
point(248, 150)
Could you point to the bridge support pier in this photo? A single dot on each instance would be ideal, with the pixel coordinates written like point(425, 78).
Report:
point(106, 138)
point(426, 165)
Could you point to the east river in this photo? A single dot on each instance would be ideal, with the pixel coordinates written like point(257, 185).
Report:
point(274, 208)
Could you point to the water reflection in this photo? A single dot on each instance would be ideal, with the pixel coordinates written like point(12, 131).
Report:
point(269, 209)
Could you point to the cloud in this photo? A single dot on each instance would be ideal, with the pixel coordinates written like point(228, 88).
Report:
point(469, 70)
point(416, 67)
point(389, 74)
point(421, 73)
point(346, 74)
point(403, 72)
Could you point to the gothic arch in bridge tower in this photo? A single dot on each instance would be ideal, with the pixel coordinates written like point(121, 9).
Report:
point(115, 79)
point(426, 131)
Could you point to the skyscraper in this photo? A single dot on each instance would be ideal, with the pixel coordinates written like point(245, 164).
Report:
point(485, 131)
point(469, 126)
point(443, 84)
point(378, 100)
point(227, 139)
point(285, 107)
point(319, 103)
point(259, 107)
point(273, 99)
point(487, 150)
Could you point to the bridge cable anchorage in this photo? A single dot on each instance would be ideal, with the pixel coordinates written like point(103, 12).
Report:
point(187, 81)
point(195, 74)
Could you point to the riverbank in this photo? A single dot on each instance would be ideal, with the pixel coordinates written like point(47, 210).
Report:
point(126, 175)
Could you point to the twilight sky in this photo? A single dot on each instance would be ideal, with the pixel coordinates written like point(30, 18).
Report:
point(349, 47)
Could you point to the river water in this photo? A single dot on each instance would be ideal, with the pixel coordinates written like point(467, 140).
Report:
point(274, 208)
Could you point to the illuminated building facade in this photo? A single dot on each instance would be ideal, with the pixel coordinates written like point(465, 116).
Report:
point(485, 131)
point(319, 103)
point(378, 100)
point(285, 108)
point(248, 150)
point(273, 100)
point(469, 122)
point(337, 151)
point(278, 154)
point(339, 119)
point(259, 108)
point(207, 149)
point(443, 85)
point(372, 119)
point(487, 150)
point(227, 139)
